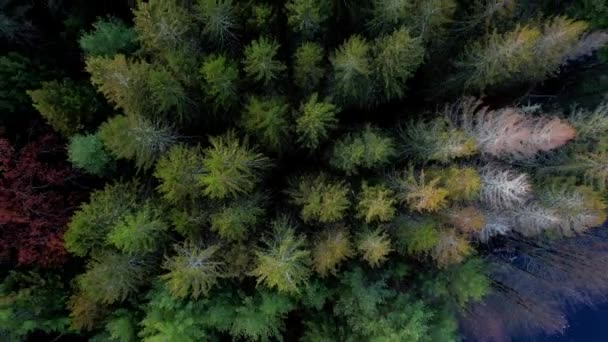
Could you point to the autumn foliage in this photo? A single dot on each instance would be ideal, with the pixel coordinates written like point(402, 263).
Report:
point(36, 201)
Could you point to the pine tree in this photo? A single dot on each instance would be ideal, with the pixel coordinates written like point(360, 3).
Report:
point(418, 193)
point(367, 148)
point(136, 138)
point(396, 58)
point(87, 152)
point(66, 105)
point(267, 119)
point(178, 171)
point(526, 53)
point(307, 17)
point(234, 220)
point(435, 140)
point(352, 70)
point(374, 246)
point(308, 70)
point(261, 63)
point(111, 277)
point(283, 262)
point(230, 167)
point(320, 198)
point(416, 236)
point(219, 20)
point(375, 203)
point(89, 225)
point(139, 232)
point(220, 81)
point(193, 271)
point(109, 37)
point(331, 248)
point(315, 121)
point(450, 249)
point(163, 25)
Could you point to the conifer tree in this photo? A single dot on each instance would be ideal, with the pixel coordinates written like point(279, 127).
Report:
point(230, 167)
point(396, 57)
point(267, 119)
point(109, 37)
point(66, 105)
point(307, 66)
point(374, 246)
point(178, 171)
point(111, 277)
point(417, 192)
point(87, 152)
point(261, 62)
point(320, 198)
point(307, 17)
point(136, 138)
point(89, 225)
point(352, 70)
point(219, 20)
point(331, 248)
point(367, 148)
point(220, 81)
point(193, 271)
point(234, 220)
point(139, 232)
point(376, 203)
point(283, 262)
point(416, 236)
point(315, 121)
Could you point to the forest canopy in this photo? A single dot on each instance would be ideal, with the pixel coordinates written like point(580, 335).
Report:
point(301, 170)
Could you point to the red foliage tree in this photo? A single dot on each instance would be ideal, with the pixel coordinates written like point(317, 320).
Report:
point(36, 201)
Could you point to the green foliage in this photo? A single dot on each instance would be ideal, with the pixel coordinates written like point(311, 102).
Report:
point(178, 171)
point(283, 261)
point(436, 140)
point(396, 58)
point(367, 148)
point(17, 74)
point(139, 232)
point(308, 69)
point(231, 167)
point(256, 317)
point(234, 220)
point(220, 81)
point(163, 25)
point(267, 119)
point(307, 17)
point(261, 63)
point(374, 312)
point(92, 221)
point(331, 248)
point(261, 317)
point(374, 246)
point(87, 152)
point(315, 121)
point(122, 327)
point(66, 105)
point(461, 284)
point(352, 71)
point(219, 20)
point(526, 53)
point(109, 37)
point(136, 138)
point(193, 271)
point(321, 199)
point(416, 236)
point(31, 302)
point(111, 277)
point(375, 203)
